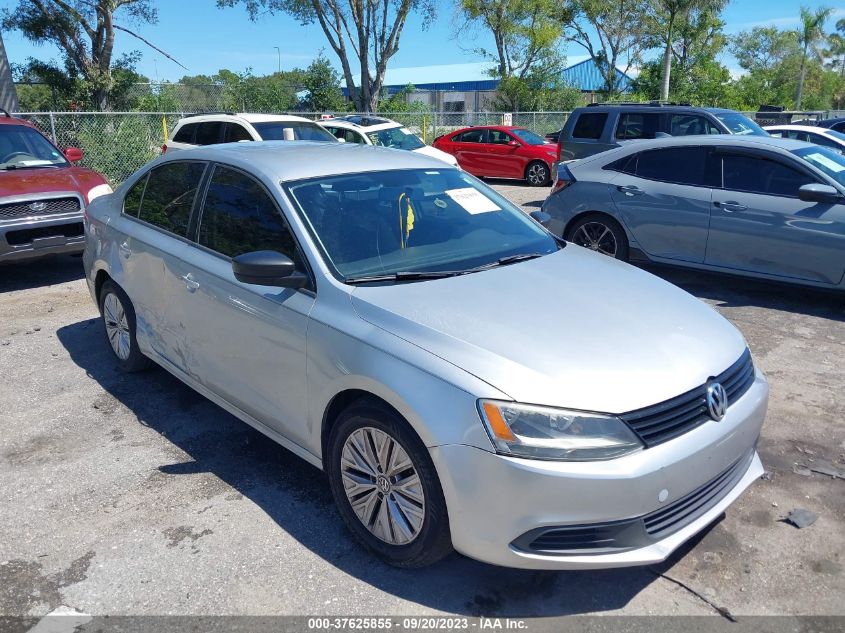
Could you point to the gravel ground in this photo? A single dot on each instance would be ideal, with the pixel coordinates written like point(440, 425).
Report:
point(135, 495)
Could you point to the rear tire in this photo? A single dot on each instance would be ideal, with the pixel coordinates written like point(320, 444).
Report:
point(385, 486)
point(118, 317)
point(600, 233)
point(537, 174)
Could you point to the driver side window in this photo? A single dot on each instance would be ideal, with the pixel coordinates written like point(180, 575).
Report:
point(754, 174)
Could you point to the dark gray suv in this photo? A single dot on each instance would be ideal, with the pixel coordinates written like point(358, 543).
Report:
point(600, 127)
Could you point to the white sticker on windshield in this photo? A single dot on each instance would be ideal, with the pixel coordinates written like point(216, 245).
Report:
point(472, 200)
point(824, 161)
point(405, 130)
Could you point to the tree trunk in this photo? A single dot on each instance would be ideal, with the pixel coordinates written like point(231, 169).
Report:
point(667, 63)
point(799, 93)
point(8, 95)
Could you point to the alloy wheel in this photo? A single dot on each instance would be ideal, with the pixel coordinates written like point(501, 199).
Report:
point(117, 326)
point(382, 486)
point(537, 174)
point(597, 237)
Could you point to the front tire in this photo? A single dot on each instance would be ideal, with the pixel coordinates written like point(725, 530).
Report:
point(600, 233)
point(537, 174)
point(119, 323)
point(386, 488)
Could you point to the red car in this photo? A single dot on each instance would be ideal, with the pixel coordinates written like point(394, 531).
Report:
point(501, 151)
point(42, 195)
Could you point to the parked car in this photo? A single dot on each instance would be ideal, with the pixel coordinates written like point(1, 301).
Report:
point(600, 127)
point(501, 151)
point(209, 129)
point(837, 124)
point(42, 194)
point(757, 206)
point(809, 134)
point(366, 308)
point(381, 132)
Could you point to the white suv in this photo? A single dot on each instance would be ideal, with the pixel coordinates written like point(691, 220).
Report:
point(371, 130)
point(208, 129)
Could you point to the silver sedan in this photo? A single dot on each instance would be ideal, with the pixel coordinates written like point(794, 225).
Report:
point(465, 379)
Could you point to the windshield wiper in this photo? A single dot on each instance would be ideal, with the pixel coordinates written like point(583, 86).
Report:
point(405, 276)
point(10, 167)
point(508, 259)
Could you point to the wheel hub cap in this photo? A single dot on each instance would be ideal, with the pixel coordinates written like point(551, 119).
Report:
point(117, 326)
point(382, 486)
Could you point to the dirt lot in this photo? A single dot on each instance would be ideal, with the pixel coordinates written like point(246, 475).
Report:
point(135, 495)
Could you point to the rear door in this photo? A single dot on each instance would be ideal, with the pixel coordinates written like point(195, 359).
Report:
point(586, 136)
point(502, 157)
point(663, 197)
point(247, 341)
point(760, 225)
point(470, 150)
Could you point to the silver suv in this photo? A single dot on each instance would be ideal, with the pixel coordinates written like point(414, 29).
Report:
point(371, 310)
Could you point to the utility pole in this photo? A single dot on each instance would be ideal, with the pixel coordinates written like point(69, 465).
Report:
point(8, 94)
point(279, 52)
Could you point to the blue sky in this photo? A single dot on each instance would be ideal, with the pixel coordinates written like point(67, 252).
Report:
point(205, 38)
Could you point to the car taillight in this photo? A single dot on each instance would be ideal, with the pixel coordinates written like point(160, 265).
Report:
point(164, 148)
point(559, 147)
point(563, 178)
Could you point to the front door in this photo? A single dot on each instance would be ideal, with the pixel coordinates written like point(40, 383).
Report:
point(502, 159)
point(760, 225)
point(663, 198)
point(248, 341)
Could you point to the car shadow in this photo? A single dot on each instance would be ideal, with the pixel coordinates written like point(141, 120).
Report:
point(44, 271)
point(277, 481)
point(733, 291)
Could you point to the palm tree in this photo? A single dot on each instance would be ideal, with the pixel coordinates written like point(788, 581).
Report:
point(836, 52)
point(810, 33)
point(671, 11)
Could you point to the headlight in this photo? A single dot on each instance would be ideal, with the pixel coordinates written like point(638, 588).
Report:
point(99, 190)
point(524, 430)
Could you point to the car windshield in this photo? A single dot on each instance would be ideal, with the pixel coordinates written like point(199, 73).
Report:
point(837, 135)
point(740, 124)
point(302, 131)
point(528, 137)
point(397, 138)
point(21, 147)
point(388, 222)
point(825, 159)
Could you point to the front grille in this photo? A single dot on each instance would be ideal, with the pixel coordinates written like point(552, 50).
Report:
point(665, 421)
point(618, 536)
point(27, 236)
point(688, 508)
point(52, 206)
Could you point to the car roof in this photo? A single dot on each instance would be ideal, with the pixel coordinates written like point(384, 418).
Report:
point(10, 120)
point(363, 120)
point(799, 128)
point(249, 117)
point(286, 160)
point(655, 107)
point(726, 140)
point(387, 124)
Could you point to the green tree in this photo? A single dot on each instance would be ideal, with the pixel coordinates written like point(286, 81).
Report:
point(613, 33)
point(322, 83)
point(366, 32)
point(771, 59)
point(84, 30)
point(810, 34)
point(665, 16)
point(836, 48)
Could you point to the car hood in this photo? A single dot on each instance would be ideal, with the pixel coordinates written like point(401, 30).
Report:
point(573, 329)
point(428, 150)
point(19, 182)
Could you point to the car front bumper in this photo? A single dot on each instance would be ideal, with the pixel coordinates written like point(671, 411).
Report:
point(497, 504)
point(33, 237)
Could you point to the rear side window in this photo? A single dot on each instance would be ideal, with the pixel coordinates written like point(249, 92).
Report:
point(499, 137)
point(240, 217)
point(169, 196)
point(236, 132)
point(755, 174)
point(636, 125)
point(185, 134)
point(132, 201)
point(590, 125)
point(680, 165)
point(471, 136)
point(209, 132)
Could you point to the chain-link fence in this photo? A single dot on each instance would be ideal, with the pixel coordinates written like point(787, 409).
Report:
point(118, 143)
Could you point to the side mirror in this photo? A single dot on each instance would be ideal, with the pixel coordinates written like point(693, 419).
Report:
point(819, 193)
point(73, 154)
point(267, 268)
point(662, 135)
point(541, 217)
point(513, 143)
point(340, 139)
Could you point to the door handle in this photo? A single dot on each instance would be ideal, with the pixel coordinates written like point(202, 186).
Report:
point(125, 250)
point(190, 283)
point(629, 190)
point(730, 206)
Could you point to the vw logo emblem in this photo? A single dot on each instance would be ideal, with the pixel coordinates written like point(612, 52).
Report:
point(38, 206)
point(717, 401)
